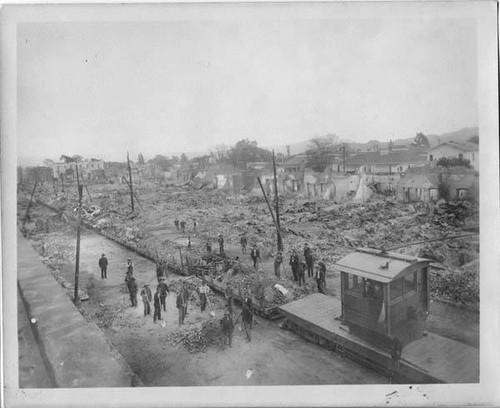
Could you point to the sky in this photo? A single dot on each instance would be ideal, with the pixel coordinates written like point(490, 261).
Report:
point(100, 89)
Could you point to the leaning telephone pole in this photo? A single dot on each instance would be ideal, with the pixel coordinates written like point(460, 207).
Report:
point(130, 184)
point(79, 218)
point(277, 204)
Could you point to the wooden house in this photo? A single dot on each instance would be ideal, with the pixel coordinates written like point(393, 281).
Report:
point(384, 295)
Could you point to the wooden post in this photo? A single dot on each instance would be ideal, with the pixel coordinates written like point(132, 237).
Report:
point(387, 294)
point(130, 184)
point(180, 255)
point(343, 157)
point(29, 204)
point(267, 202)
point(79, 217)
point(277, 203)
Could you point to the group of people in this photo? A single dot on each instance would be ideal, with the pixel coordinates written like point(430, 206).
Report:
point(181, 225)
point(227, 323)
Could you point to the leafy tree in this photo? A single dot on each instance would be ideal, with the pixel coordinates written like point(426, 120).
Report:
point(421, 140)
point(140, 159)
point(161, 161)
point(319, 155)
point(246, 151)
point(219, 152)
point(184, 158)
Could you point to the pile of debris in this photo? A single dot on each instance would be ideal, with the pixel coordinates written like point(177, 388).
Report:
point(197, 337)
point(107, 314)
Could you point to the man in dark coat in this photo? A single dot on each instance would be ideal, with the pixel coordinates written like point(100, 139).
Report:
point(243, 243)
point(209, 247)
point(145, 301)
point(321, 276)
point(183, 226)
point(157, 305)
point(103, 264)
point(309, 261)
point(132, 290)
point(176, 223)
point(204, 289)
point(163, 288)
point(180, 303)
point(227, 328)
point(255, 255)
point(278, 260)
point(301, 273)
point(294, 263)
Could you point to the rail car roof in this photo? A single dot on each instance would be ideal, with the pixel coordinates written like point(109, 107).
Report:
point(379, 266)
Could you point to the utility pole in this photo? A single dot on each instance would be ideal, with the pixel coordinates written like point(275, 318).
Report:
point(277, 203)
point(130, 184)
point(29, 204)
point(267, 202)
point(343, 155)
point(79, 218)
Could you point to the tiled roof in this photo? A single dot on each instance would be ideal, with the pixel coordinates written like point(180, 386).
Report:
point(391, 158)
point(465, 146)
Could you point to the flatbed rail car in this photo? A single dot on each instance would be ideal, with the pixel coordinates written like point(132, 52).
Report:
point(270, 313)
point(384, 304)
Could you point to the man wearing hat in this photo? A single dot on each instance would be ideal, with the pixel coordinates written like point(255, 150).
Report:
point(294, 263)
point(145, 301)
point(278, 260)
point(132, 290)
point(227, 328)
point(163, 290)
point(321, 276)
point(255, 255)
point(103, 264)
point(309, 260)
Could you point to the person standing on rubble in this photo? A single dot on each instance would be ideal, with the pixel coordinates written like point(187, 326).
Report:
point(183, 226)
point(209, 247)
point(321, 276)
point(130, 267)
point(195, 224)
point(255, 255)
point(308, 256)
point(278, 260)
point(103, 264)
point(294, 264)
point(227, 328)
point(243, 243)
point(204, 289)
point(186, 298)
point(157, 305)
point(189, 242)
point(176, 223)
point(163, 288)
point(221, 244)
point(145, 301)
point(179, 302)
point(132, 290)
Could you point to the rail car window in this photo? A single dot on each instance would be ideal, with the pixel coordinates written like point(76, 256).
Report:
point(396, 288)
point(411, 282)
point(355, 284)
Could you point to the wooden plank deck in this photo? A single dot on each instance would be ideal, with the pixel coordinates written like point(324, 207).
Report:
point(430, 359)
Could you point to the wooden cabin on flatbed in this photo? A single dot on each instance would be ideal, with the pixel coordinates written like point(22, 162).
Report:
point(384, 295)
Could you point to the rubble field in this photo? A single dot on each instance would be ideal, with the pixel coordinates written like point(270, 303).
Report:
point(331, 229)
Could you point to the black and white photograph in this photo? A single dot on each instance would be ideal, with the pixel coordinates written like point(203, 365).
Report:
point(250, 204)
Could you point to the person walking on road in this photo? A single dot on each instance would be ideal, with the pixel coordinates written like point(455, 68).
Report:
point(278, 260)
point(221, 244)
point(204, 289)
point(132, 290)
point(243, 243)
point(145, 301)
point(157, 305)
point(309, 260)
point(163, 288)
point(255, 255)
point(183, 226)
point(103, 264)
point(179, 302)
point(227, 328)
point(294, 263)
point(247, 317)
